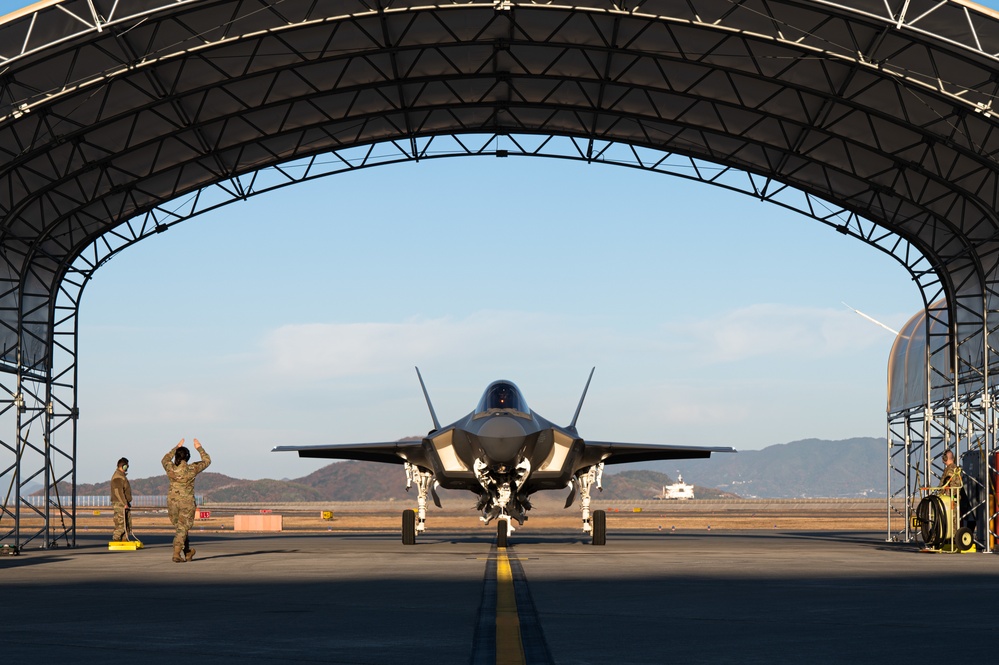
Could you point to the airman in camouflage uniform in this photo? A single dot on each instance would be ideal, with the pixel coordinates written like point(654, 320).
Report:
point(952, 482)
point(121, 500)
point(951, 476)
point(180, 498)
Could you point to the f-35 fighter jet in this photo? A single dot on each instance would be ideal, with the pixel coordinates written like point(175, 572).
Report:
point(503, 452)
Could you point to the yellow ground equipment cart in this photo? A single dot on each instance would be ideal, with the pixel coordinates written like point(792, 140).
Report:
point(938, 521)
point(130, 543)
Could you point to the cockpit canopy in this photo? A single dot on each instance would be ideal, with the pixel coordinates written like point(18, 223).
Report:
point(502, 395)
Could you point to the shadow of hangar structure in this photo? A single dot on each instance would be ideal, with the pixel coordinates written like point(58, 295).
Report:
point(120, 119)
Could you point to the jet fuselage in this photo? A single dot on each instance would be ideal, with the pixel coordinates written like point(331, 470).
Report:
point(504, 452)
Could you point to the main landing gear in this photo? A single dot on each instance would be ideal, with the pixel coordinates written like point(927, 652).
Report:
point(414, 524)
point(594, 523)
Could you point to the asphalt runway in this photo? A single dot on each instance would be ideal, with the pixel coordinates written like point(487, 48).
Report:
point(646, 597)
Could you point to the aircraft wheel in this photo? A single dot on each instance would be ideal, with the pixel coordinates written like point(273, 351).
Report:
point(964, 539)
point(408, 527)
point(501, 532)
point(599, 527)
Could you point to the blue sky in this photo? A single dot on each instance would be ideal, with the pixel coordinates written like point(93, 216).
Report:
point(297, 318)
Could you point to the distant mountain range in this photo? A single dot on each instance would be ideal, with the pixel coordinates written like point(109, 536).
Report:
point(851, 468)
point(366, 481)
point(810, 468)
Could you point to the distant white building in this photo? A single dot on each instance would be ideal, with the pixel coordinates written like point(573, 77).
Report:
point(678, 490)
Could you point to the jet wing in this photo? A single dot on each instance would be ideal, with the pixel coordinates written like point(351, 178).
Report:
point(612, 452)
point(391, 452)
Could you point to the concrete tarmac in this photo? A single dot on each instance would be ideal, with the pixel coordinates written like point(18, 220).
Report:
point(646, 597)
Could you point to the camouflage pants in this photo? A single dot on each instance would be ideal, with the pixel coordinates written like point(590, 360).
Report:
point(182, 516)
point(119, 522)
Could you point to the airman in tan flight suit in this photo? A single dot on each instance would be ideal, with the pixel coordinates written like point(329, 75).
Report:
point(121, 500)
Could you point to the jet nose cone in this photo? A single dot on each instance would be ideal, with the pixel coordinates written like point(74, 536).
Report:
point(501, 427)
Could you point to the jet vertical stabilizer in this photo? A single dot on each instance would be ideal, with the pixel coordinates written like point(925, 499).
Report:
point(426, 396)
point(579, 408)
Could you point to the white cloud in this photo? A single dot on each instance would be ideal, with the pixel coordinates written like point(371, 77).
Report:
point(530, 346)
point(333, 350)
point(715, 380)
point(779, 330)
point(159, 407)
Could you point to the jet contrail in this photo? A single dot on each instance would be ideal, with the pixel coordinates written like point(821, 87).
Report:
point(873, 320)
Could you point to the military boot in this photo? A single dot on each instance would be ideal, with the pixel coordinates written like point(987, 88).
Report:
point(178, 554)
point(189, 553)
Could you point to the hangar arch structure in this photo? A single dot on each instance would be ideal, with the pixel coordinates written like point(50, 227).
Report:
point(120, 119)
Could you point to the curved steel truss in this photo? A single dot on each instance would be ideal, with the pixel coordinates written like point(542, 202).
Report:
point(238, 190)
point(118, 120)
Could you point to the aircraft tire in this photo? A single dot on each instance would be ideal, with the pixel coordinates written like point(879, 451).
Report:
point(408, 527)
point(501, 533)
point(599, 524)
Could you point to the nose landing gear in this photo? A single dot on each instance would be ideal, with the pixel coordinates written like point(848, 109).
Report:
point(503, 530)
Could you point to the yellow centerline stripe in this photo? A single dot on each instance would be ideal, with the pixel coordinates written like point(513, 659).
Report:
point(509, 648)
